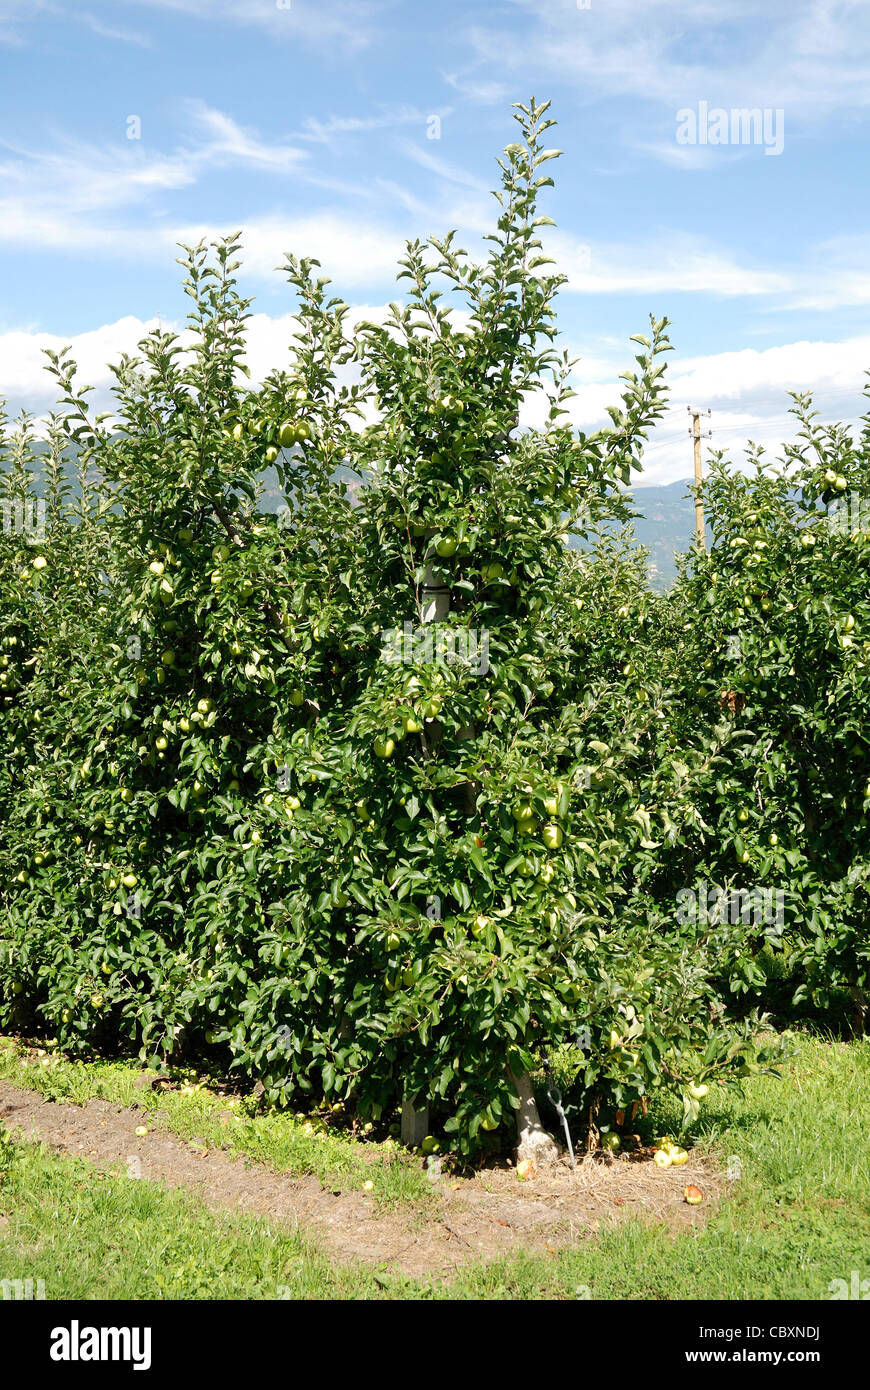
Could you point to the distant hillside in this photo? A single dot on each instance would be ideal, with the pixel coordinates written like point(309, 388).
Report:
point(666, 526)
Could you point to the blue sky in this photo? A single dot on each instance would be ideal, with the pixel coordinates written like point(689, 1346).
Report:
point(309, 126)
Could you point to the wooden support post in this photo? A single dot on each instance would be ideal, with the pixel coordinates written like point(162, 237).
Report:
point(695, 432)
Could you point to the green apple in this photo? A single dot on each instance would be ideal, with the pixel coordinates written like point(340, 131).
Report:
point(168, 657)
point(743, 815)
point(493, 572)
point(204, 706)
point(184, 724)
point(185, 535)
point(297, 696)
point(551, 805)
point(849, 622)
point(238, 432)
point(271, 454)
point(157, 567)
point(303, 431)
point(432, 708)
point(773, 838)
point(129, 880)
point(840, 483)
point(411, 725)
point(697, 1092)
point(552, 836)
point(526, 826)
point(611, 1143)
point(384, 747)
point(40, 562)
point(479, 925)
point(446, 547)
point(287, 434)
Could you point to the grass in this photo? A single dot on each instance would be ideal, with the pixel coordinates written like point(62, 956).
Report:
point(91, 1236)
point(289, 1143)
point(794, 1221)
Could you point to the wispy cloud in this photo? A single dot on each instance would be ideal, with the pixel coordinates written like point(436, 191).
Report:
point(225, 139)
point(451, 173)
point(673, 264)
point(110, 31)
point(328, 130)
point(809, 56)
point(348, 23)
point(70, 193)
point(367, 257)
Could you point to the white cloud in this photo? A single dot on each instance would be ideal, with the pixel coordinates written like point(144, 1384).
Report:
point(678, 263)
point(66, 196)
point(352, 253)
point(328, 130)
point(28, 385)
point(452, 173)
point(227, 140)
point(747, 389)
point(111, 32)
point(348, 23)
point(345, 22)
point(26, 382)
point(811, 57)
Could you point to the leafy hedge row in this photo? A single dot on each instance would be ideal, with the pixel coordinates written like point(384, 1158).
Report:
point(233, 824)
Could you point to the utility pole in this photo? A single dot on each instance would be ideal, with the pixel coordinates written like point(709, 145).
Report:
point(695, 432)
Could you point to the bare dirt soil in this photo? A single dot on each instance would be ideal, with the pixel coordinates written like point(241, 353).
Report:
point(490, 1215)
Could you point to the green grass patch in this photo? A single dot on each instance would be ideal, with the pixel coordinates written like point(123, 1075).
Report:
point(795, 1219)
point(87, 1235)
point(287, 1142)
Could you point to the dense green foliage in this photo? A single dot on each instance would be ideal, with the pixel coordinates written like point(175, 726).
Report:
point(241, 816)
